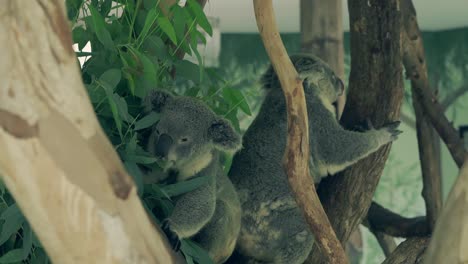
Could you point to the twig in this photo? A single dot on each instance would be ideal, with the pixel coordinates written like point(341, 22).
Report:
point(410, 251)
point(385, 221)
point(296, 155)
point(414, 61)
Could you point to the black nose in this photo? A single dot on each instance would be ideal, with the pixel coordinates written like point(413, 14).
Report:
point(163, 145)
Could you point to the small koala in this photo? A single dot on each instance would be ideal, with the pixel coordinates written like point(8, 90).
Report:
point(190, 137)
point(273, 229)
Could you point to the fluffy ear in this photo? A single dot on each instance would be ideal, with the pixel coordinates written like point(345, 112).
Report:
point(224, 136)
point(156, 100)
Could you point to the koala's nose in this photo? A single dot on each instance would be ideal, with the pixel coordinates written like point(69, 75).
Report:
point(163, 145)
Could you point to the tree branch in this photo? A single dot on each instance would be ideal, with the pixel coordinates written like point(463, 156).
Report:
point(449, 241)
point(409, 252)
point(414, 61)
point(375, 83)
point(55, 159)
point(427, 138)
point(296, 157)
point(383, 220)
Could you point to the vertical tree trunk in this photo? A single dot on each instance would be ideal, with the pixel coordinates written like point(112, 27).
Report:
point(375, 93)
point(55, 159)
point(322, 35)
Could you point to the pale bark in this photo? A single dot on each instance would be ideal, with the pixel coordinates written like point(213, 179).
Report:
point(296, 156)
point(450, 238)
point(55, 159)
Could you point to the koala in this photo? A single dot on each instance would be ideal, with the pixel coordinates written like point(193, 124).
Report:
point(189, 138)
point(273, 229)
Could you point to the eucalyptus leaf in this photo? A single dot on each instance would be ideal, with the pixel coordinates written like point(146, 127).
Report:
point(110, 78)
point(12, 256)
point(136, 174)
point(193, 250)
point(200, 16)
point(167, 28)
point(14, 219)
point(147, 121)
point(27, 240)
point(185, 186)
point(101, 31)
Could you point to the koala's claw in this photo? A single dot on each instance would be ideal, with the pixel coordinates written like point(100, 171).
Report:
point(171, 236)
point(392, 128)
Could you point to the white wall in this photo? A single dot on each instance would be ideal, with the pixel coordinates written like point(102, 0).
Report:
point(238, 16)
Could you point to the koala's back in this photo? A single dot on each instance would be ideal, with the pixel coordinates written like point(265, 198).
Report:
point(270, 216)
point(273, 229)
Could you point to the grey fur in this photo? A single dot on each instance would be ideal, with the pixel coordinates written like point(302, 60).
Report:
point(273, 229)
point(193, 139)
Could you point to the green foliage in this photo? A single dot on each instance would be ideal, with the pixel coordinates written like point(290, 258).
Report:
point(135, 47)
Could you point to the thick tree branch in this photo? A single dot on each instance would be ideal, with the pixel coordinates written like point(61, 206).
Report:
point(415, 65)
point(375, 83)
point(383, 220)
point(55, 159)
point(411, 251)
point(430, 163)
point(296, 157)
point(450, 239)
point(427, 138)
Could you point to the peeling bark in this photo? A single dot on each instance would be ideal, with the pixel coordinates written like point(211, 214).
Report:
point(55, 159)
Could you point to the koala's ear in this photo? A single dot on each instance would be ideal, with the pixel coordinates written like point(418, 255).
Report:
point(224, 136)
point(156, 100)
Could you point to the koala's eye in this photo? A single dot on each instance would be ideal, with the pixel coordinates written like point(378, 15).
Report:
point(157, 132)
point(184, 139)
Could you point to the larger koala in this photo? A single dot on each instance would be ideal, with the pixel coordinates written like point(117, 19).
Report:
point(273, 229)
point(190, 137)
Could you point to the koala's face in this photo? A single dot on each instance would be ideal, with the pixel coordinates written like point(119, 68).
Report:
point(182, 133)
point(318, 75)
point(187, 131)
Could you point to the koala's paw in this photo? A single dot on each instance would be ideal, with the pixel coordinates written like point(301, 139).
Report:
point(171, 236)
point(364, 126)
point(391, 130)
